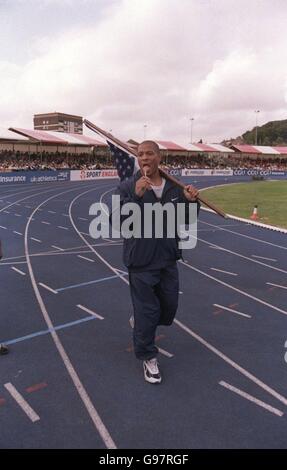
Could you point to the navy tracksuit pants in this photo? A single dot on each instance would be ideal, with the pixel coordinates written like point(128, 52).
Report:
point(154, 296)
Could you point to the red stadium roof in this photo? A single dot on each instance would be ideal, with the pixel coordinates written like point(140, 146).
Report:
point(282, 150)
point(246, 149)
point(40, 136)
point(260, 149)
point(60, 138)
point(206, 148)
point(166, 144)
point(6, 134)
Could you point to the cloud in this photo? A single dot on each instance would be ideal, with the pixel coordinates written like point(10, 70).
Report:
point(157, 62)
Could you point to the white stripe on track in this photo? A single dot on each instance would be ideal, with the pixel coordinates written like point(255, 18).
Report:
point(224, 272)
point(18, 271)
point(240, 255)
point(35, 239)
point(90, 312)
point(87, 259)
point(244, 236)
point(165, 353)
point(276, 285)
point(57, 247)
point(105, 435)
point(251, 398)
point(263, 257)
point(39, 192)
point(231, 310)
point(48, 288)
point(273, 307)
point(22, 402)
point(233, 364)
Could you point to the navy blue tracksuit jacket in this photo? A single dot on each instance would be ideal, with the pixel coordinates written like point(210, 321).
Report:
point(153, 273)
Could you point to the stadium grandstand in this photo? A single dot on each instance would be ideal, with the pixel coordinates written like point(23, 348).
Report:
point(23, 149)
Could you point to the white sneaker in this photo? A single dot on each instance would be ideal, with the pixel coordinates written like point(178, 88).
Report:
point(132, 321)
point(151, 371)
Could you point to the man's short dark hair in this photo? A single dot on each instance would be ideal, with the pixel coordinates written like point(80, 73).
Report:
point(153, 143)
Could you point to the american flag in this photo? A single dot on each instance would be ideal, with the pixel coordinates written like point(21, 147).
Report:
point(126, 164)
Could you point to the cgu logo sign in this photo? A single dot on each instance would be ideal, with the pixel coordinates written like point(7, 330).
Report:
point(245, 172)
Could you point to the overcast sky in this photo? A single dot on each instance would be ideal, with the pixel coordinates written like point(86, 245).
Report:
point(124, 64)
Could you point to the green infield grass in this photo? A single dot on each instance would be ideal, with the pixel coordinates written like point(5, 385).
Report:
point(240, 199)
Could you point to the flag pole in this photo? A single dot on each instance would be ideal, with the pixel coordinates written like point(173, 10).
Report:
point(163, 173)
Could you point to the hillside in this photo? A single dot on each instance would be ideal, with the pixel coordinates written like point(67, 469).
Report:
point(271, 133)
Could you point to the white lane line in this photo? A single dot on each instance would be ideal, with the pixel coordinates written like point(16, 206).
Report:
point(273, 307)
point(57, 248)
point(63, 252)
point(46, 223)
point(9, 264)
point(28, 207)
point(65, 215)
point(18, 233)
point(88, 259)
point(251, 398)
point(52, 212)
point(245, 236)
point(231, 310)
point(48, 288)
point(276, 285)
point(22, 402)
point(233, 364)
point(94, 415)
point(263, 257)
point(18, 215)
point(88, 235)
point(6, 212)
point(5, 228)
point(90, 311)
point(18, 271)
point(35, 239)
point(165, 353)
point(63, 228)
point(17, 204)
point(82, 218)
point(224, 272)
point(106, 239)
point(240, 255)
point(121, 271)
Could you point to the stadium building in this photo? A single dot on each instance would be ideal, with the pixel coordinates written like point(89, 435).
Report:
point(59, 122)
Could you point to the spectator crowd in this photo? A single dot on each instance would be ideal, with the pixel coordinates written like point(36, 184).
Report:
point(15, 161)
